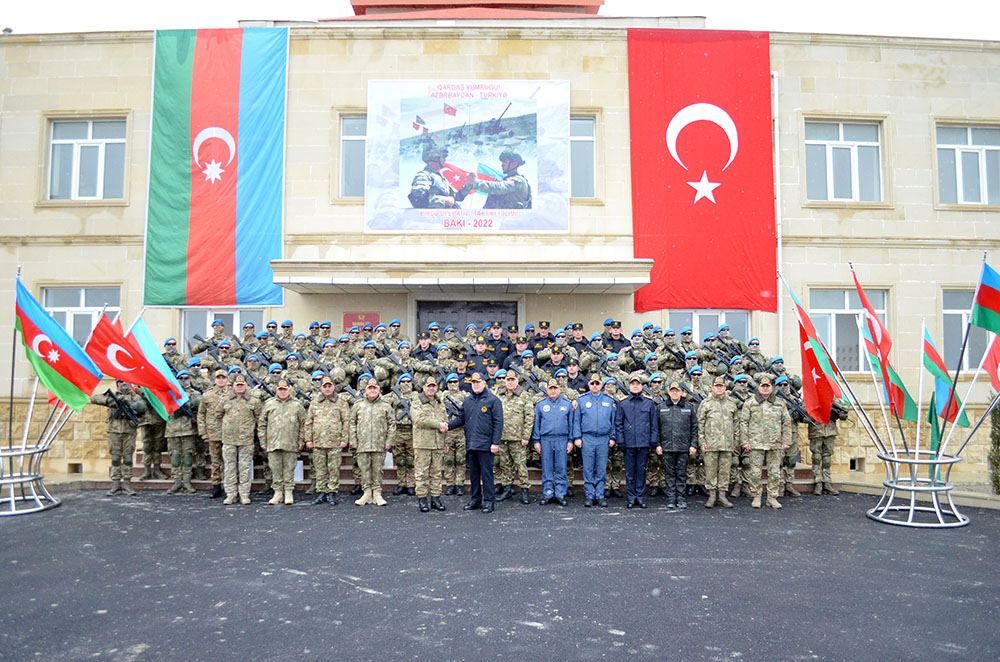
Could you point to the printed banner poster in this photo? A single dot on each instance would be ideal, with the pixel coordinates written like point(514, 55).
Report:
point(475, 156)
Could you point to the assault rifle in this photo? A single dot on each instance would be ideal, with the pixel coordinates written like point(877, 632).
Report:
point(798, 411)
point(213, 347)
point(123, 409)
point(256, 383)
point(737, 398)
point(352, 393)
point(452, 407)
point(402, 405)
point(696, 396)
point(677, 355)
point(185, 410)
point(529, 380)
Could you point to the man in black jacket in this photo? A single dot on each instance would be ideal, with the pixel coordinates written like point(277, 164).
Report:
point(482, 417)
point(678, 439)
point(637, 430)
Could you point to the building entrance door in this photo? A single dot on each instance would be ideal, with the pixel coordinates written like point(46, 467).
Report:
point(460, 313)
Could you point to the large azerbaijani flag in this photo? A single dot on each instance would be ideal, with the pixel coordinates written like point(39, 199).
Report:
point(217, 162)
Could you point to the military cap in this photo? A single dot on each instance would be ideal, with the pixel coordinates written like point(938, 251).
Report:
point(529, 327)
point(741, 378)
point(449, 327)
point(723, 328)
point(674, 386)
point(490, 361)
point(367, 326)
point(496, 324)
point(422, 335)
point(766, 379)
point(781, 380)
point(300, 335)
point(402, 344)
point(719, 381)
point(248, 325)
point(325, 324)
point(380, 326)
point(777, 359)
point(551, 383)
point(708, 336)
point(508, 374)
point(326, 380)
point(394, 322)
point(695, 370)
point(225, 343)
point(520, 340)
point(617, 324)
point(476, 377)
point(647, 325)
point(577, 326)
point(194, 360)
point(556, 349)
point(526, 353)
point(183, 373)
point(262, 335)
point(613, 356)
point(274, 367)
point(219, 373)
point(218, 322)
point(343, 338)
point(370, 381)
point(317, 374)
point(573, 361)
point(292, 355)
point(452, 377)
point(635, 377)
point(286, 324)
point(594, 379)
point(608, 322)
point(544, 324)
point(253, 357)
point(314, 325)
point(271, 323)
point(354, 329)
point(430, 381)
point(735, 360)
point(650, 355)
point(234, 368)
point(690, 355)
point(511, 155)
point(512, 328)
point(434, 153)
point(369, 344)
point(480, 340)
point(595, 336)
point(462, 357)
point(501, 373)
point(561, 372)
point(405, 376)
point(656, 375)
point(686, 329)
point(240, 379)
point(329, 341)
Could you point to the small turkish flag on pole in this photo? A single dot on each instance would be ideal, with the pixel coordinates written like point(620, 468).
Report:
point(449, 110)
point(119, 357)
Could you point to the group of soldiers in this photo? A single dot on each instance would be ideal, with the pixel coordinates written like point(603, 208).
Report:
point(267, 397)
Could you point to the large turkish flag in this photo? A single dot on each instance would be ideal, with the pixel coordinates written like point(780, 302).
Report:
point(702, 174)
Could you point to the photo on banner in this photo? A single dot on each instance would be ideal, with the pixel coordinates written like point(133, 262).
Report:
point(434, 151)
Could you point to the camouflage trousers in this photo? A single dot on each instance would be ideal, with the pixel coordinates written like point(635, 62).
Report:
point(200, 455)
point(822, 458)
point(512, 464)
point(181, 451)
point(121, 447)
point(326, 469)
point(717, 464)
point(282, 465)
point(238, 463)
point(153, 443)
point(260, 457)
point(402, 455)
point(696, 469)
point(454, 458)
point(787, 463)
point(215, 456)
point(654, 472)
point(370, 464)
point(616, 469)
point(739, 473)
point(427, 471)
point(758, 460)
point(356, 468)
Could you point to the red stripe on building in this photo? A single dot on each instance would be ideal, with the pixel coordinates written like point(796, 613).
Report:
point(215, 102)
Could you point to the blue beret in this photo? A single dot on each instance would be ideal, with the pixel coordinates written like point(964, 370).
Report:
point(325, 324)
point(753, 339)
point(613, 356)
point(433, 325)
point(691, 354)
point(299, 335)
point(262, 335)
point(723, 328)
point(608, 322)
point(695, 370)
point(526, 353)
point(442, 346)
point(368, 345)
point(685, 329)
point(657, 328)
point(354, 329)
point(781, 380)
point(655, 376)
point(777, 359)
point(402, 344)
point(273, 367)
point(741, 378)
point(668, 330)
point(183, 373)
point(253, 357)
point(501, 373)
point(234, 368)
point(636, 332)
point(608, 380)
point(380, 326)
point(317, 373)
point(287, 323)
point(403, 376)
point(650, 355)
point(329, 341)
point(169, 340)
point(342, 338)
point(225, 343)
point(647, 325)
point(560, 372)
point(595, 336)
point(735, 360)
point(313, 325)
point(292, 355)
point(394, 321)
point(708, 336)
point(271, 322)
point(529, 327)
point(218, 322)
point(195, 360)
point(452, 377)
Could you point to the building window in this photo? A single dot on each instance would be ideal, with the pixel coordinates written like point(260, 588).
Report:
point(199, 321)
point(956, 306)
point(77, 308)
point(87, 159)
point(703, 322)
point(583, 156)
point(835, 314)
point(843, 162)
point(353, 130)
point(968, 165)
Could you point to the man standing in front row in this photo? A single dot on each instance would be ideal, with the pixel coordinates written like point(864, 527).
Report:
point(637, 429)
point(430, 424)
point(717, 417)
point(766, 431)
point(553, 435)
point(595, 429)
point(239, 421)
point(281, 436)
point(482, 417)
point(372, 433)
point(677, 440)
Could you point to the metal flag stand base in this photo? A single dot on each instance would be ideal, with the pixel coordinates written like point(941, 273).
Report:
point(23, 491)
point(910, 475)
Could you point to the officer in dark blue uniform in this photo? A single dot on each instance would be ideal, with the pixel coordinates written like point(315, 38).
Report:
point(637, 429)
point(595, 429)
point(482, 417)
point(678, 439)
point(553, 436)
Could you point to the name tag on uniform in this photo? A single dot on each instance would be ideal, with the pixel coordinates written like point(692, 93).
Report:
point(562, 408)
point(603, 404)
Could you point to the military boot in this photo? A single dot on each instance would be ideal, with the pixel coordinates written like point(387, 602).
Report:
point(737, 489)
point(756, 502)
point(506, 493)
point(366, 498)
point(356, 490)
point(723, 501)
point(331, 498)
point(216, 492)
point(289, 496)
point(791, 491)
point(772, 502)
point(377, 498)
point(781, 490)
point(175, 472)
point(451, 491)
point(186, 486)
point(147, 472)
point(830, 489)
point(525, 496)
point(423, 505)
point(127, 487)
point(158, 473)
point(320, 498)
point(459, 490)
point(818, 489)
point(277, 498)
point(711, 501)
point(229, 500)
point(437, 504)
point(244, 499)
point(116, 488)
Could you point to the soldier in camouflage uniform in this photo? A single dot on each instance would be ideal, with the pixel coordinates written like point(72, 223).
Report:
point(280, 428)
point(430, 189)
point(402, 398)
point(765, 429)
point(372, 432)
point(121, 433)
point(791, 455)
point(717, 421)
point(182, 437)
point(239, 422)
point(739, 472)
point(210, 427)
point(656, 478)
point(430, 424)
point(454, 446)
point(326, 430)
point(176, 360)
point(822, 439)
point(153, 444)
point(518, 420)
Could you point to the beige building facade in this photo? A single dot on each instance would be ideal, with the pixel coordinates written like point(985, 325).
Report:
point(870, 163)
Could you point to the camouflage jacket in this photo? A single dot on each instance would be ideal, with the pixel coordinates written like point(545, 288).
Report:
point(518, 415)
point(239, 419)
point(765, 424)
point(428, 414)
point(327, 422)
point(456, 436)
point(717, 417)
point(280, 425)
point(117, 422)
point(210, 413)
point(373, 425)
point(180, 424)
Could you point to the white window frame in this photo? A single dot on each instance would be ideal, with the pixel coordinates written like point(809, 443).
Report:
point(69, 314)
point(78, 144)
point(592, 139)
point(828, 333)
point(341, 118)
point(852, 146)
point(971, 359)
point(697, 332)
point(213, 313)
point(968, 148)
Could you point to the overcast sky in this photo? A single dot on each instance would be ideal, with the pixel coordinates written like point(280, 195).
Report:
point(964, 19)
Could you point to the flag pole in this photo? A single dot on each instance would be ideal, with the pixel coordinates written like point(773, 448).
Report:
point(986, 414)
point(968, 394)
point(920, 389)
point(878, 394)
point(13, 359)
point(27, 420)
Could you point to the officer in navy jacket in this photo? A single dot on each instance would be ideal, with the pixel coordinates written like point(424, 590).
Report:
point(637, 430)
point(482, 417)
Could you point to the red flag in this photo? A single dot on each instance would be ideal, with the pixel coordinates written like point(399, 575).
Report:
point(992, 363)
point(817, 387)
point(121, 358)
point(456, 176)
point(416, 127)
point(448, 110)
point(702, 174)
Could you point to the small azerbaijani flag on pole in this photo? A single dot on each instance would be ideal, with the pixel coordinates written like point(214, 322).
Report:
point(986, 303)
point(216, 169)
point(947, 400)
point(60, 363)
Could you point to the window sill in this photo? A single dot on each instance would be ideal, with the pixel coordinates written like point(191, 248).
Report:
point(586, 202)
point(80, 203)
point(965, 207)
point(348, 202)
point(845, 204)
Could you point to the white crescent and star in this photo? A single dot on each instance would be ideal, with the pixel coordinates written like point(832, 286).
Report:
point(702, 112)
point(213, 169)
point(113, 351)
point(52, 356)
